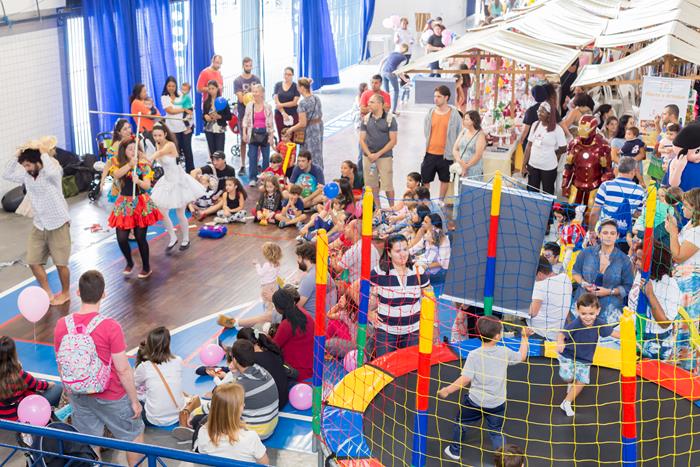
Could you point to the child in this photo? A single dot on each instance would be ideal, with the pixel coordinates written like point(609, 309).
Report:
point(270, 201)
point(282, 150)
point(185, 102)
point(551, 251)
point(398, 217)
point(413, 181)
point(668, 203)
point(292, 212)
point(211, 185)
point(423, 198)
point(268, 273)
point(572, 235)
point(666, 144)
point(576, 346)
point(509, 455)
point(487, 395)
point(324, 218)
point(230, 206)
point(634, 147)
point(224, 433)
point(275, 168)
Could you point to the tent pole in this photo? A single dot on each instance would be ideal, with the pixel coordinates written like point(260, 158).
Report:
point(527, 80)
point(477, 85)
point(512, 91)
point(496, 79)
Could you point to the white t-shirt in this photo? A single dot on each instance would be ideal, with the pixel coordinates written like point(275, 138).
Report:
point(352, 260)
point(544, 143)
point(160, 409)
point(691, 234)
point(176, 126)
point(555, 294)
point(248, 448)
point(404, 37)
point(669, 296)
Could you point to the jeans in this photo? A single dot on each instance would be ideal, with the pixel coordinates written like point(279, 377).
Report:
point(53, 394)
point(215, 141)
point(184, 144)
point(537, 177)
point(434, 66)
point(470, 412)
point(385, 342)
point(253, 159)
point(391, 78)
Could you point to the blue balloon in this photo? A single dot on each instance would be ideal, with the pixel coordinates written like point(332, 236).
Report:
point(220, 104)
point(331, 190)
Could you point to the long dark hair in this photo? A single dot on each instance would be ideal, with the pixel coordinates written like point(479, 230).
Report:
point(118, 128)
point(157, 347)
point(262, 340)
point(239, 186)
point(10, 369)
point(170, 79)
point(121, 153)
point(475, 117)
point(284, 304)
point(168, 134)
point(622, 125)
point(212, 82)
point(600, 112)
point(345, 194)
point(136, 91)
point(385, 261)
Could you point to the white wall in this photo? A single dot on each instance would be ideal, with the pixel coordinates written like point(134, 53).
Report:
point(31, 78)
point(452, 12)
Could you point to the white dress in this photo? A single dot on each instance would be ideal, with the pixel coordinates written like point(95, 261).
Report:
point(175, 189)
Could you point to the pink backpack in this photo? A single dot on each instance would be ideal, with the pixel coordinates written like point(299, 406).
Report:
point(81, 369)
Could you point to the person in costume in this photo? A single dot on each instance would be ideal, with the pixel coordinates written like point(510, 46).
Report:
point(587, 163)
point(121, 131)
point(175, 189)
point(133, 209)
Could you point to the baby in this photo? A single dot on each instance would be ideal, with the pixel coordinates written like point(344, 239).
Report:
point(211, 186)
point(185, 102)
point(666, 144)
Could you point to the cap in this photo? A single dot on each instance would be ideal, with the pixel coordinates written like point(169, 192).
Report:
point(540, 93)
point(219, 155)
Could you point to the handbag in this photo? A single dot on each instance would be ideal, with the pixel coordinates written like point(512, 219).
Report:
point(183, 415)
point(259, 136)
point(299, 136)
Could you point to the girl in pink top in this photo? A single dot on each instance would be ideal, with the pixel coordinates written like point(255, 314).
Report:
point(268, 273)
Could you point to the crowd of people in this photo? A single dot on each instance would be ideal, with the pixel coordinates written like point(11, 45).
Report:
point(586, 275)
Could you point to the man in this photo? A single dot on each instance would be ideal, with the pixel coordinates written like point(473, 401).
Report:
point(389, 75)
point(306, 260)
point(219, 168)
point(351, 260)
point(117, 407)
point(551, 298)
point(242, 86)
point(378, 131)
point(435, 44)
point(212, 72)
point(309, 177)
point(375, 88)
point(619, 199)
point(669, 115)
point(442, 125)
point(42, 175)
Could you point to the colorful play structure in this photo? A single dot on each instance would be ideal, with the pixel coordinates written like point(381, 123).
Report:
point(386, 411)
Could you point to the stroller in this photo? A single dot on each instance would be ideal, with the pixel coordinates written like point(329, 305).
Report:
point(97, 163)
point(47, 444)
point(233, 125)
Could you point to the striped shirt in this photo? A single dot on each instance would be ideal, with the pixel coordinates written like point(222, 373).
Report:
point(261, 399)
point(618, 199)
point(30, 385)
point(398, 302)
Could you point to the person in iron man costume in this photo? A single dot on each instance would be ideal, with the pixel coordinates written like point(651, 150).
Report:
point(587, 163)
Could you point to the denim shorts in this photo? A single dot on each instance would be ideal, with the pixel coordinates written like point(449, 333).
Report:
point(570, 369)
point(91, 415)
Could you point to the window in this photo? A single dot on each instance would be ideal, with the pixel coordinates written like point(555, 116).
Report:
point(226, 18)
point(77, 77)
point(346, 23)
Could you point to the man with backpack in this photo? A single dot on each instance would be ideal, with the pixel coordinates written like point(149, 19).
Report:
point(91, 356)
point(378, 132)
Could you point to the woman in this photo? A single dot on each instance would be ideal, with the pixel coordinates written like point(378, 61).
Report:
point(258, 131)
point(121, 131)
point(16, 384)
point(133, 209)
point(616, 143)
point(269, 356)
point(398, 287)
point(349, 171)
point(663, 299)
point(215, 121)
point(295, 334)
point(286, 97)
point(546, 144)
point(224, 434)
point(602, 113)
point(470, 145)
point(310, 123)
point(177, 126)
point(604, 271)
point(609, 130)
point(141, 103)
point(175, 189)
point(685, 249)
point(581, 105)
point(464, 82)
point(158, 379)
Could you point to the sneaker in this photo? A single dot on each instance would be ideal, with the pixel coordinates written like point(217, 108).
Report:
point(183, 433)
point(566, 407)
point(299, 239)
point(282, 224)
point(448, 452)
point(145, 274)
point(300, 225)
point(127, 270)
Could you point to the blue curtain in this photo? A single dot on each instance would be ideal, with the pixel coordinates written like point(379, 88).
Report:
point(112, 56)
point(367, 18)
point(317, 59)
point(200, 48)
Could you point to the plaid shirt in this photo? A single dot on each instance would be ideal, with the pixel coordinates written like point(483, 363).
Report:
point(45, 192)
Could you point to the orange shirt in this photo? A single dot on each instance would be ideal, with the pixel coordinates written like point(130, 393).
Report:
point(438, 133)
point(146, 123)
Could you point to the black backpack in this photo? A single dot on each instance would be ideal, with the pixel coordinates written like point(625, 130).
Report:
point(68, 448)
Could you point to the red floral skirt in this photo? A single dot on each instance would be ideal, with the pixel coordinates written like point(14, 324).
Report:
point(128, 213)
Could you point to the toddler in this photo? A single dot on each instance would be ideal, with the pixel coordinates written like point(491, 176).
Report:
point(185, 102)
point(576, 346)
point(230, 206)
point(634, 147)
point(666, 150)
point(211, 187)
point(270, 201)
point(324, 218)
point(396, 218)
point(292, 212)
point(485, 370)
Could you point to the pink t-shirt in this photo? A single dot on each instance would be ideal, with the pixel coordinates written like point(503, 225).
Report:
point(259, 119)
point(109, 339)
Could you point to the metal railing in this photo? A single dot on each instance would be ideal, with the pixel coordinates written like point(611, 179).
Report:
point(152, 455)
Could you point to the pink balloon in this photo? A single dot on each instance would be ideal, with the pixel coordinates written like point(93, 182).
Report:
point(350, 361)
point(447, 37)
point(395, 21)
point(300, 396)
point(34, 410)
point(211, 354)
point(387, 23)
point(33, 303)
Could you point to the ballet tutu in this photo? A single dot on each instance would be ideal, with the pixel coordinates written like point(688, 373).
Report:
point(176, 190)
point(128, 214)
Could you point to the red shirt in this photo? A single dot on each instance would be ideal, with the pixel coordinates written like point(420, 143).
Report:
point(109, 339)
point(207, 75)
point(8, 407)
point(297, 348)
point(364, 98)
point(282, 150)
point(278, 172)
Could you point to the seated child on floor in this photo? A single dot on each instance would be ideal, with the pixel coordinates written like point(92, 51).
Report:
point(329, 219)
point(275, 168)
point(230, 206)
point(211, 185)
point(270, 201)
point(292, 212)
point(397, 217)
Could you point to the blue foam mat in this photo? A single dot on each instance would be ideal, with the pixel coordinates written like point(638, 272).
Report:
point(342, 432)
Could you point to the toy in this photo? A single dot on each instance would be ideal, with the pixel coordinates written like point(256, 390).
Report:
point(212, 231)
